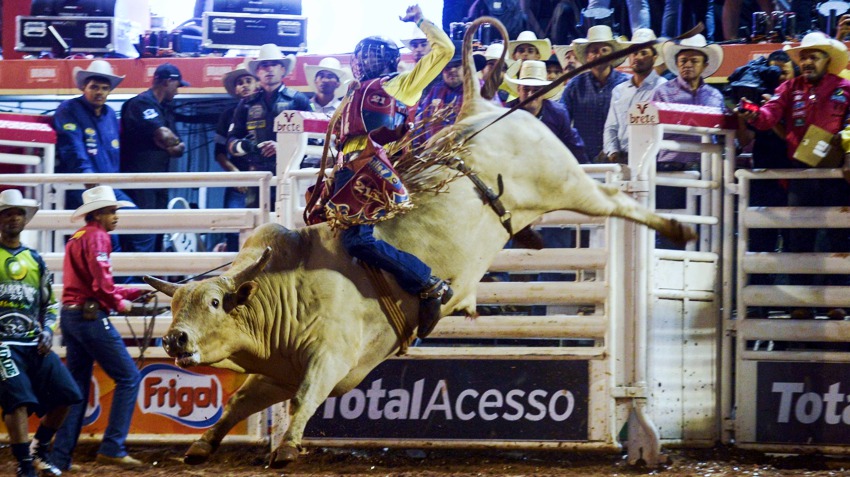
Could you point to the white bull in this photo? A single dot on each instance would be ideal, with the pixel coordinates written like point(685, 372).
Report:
point(299, 315)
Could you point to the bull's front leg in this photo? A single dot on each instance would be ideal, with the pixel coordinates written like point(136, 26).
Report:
point(256, 393)
point(321, 376)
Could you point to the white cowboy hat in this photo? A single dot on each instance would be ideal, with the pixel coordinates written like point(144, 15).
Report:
point(230, 78)
point(100, 68)
point(416, 35)
point(271, 52)
point(544, 46)
point(13, 199)
point(531, 73)
point(494, 52)
point(713, 52)
point(643, 35)
point(597, 34)
point(816, 40)
point(97, 198)
point(334, 66)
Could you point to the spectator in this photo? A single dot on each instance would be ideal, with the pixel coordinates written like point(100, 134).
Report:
point(88, 297)
point(87, 139)
point(553, 68)
point(638, 12)
point(446, 93)
point(33, 378)
point(818, 97)
point(567, 56)
point(532, 78)
point(528, 47)
point(491, 56)
point(625, 95)
point(692, 60)
point(252, 136)
point(588, 95)
point(240, 84)
point(417, 44)
point(149, 141)
point(329, 82)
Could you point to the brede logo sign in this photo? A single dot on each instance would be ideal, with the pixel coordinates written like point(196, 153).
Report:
point(194, 400)
point(805, 403)
point(457, 399)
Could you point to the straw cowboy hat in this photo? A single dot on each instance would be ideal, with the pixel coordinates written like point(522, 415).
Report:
point(334, 66)
point(13, 199)
point(417, 35)
point(494, 52)
point(531, 73)
point(97, 198)
point(643, 35)
point(99, 68)
point(544, 46)
point(597, 34)
point(697, 42)
point(229, 79)
point(816, 40)
point(271, 52)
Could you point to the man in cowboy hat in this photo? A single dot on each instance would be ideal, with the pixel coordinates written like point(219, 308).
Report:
point(692, 60)
point(417, 44)
point(149, 142)
point(329, 81)
point(532, 78)
point(87, 133)
point(445, 93)
point(625, 95)
point(588, 95)
point(32, 378)
point(89, 295)
point(253, 131)
point(390, 93)
point(567, 56)
point(240, 84)
point(528, 47)
point(817, 98)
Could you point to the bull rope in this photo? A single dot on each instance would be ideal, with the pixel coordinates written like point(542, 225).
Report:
point(402, 329)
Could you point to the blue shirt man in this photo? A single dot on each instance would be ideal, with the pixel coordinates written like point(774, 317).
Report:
point(87, 133)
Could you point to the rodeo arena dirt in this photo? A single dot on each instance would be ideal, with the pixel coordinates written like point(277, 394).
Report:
point(602, 354)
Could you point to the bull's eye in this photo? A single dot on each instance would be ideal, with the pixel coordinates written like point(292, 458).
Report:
point(215, 302)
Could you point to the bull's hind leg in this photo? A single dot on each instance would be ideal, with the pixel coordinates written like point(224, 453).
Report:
point(606, 200)
point(256, 393)
point(321, 376)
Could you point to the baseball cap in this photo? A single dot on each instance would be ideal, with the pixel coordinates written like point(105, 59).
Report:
point(169, 71)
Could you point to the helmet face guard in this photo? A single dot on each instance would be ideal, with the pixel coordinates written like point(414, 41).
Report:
point(374, 56)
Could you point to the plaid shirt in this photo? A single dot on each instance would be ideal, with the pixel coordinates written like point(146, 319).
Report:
point(588, 101)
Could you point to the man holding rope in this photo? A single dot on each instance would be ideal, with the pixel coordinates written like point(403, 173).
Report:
point(88, 296)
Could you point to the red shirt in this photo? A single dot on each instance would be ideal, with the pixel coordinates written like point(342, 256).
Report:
point(801, 104)
point(88, 270)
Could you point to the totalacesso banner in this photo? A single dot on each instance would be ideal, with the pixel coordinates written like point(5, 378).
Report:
point(462, 399)
point(803, 403)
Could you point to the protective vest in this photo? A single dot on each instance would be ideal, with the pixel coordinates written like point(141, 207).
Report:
point(371, 108)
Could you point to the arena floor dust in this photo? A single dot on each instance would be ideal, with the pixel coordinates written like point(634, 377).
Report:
point(244, 461)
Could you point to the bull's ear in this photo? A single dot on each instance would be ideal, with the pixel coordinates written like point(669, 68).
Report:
point(242, 295)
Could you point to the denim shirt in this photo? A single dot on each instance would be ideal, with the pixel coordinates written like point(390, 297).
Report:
point(588, 101)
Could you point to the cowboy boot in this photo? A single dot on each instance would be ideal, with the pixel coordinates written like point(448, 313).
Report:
point(435, 294)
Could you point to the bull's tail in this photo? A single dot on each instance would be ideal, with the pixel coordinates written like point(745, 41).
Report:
point(470, 80)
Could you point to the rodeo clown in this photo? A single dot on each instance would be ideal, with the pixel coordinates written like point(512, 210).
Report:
point(364, 128)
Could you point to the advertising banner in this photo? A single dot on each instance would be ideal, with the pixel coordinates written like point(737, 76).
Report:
point(462, 399)
point(803, 403)
point(170, 400)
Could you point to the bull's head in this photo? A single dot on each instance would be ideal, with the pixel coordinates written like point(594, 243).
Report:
point(206, 323)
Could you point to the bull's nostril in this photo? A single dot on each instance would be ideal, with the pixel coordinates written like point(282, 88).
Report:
point(182, 339)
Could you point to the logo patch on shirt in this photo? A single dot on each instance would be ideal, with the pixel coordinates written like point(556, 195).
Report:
point(838, 96)
point(14, 269)
point(102, 257)
point(69, 127)
point(150, 114)
point(115, 143)
point(256, 112)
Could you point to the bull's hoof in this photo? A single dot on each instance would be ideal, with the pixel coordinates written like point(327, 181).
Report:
point(198, 453)
point(283, 456)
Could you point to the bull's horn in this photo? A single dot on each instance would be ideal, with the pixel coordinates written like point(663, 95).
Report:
point(251, 271)
point(161, 285)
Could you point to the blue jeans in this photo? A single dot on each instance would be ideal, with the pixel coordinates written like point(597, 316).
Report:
point(411, 273)
point(87, 342)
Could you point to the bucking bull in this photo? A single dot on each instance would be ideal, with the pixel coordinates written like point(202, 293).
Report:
point(305, 321)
